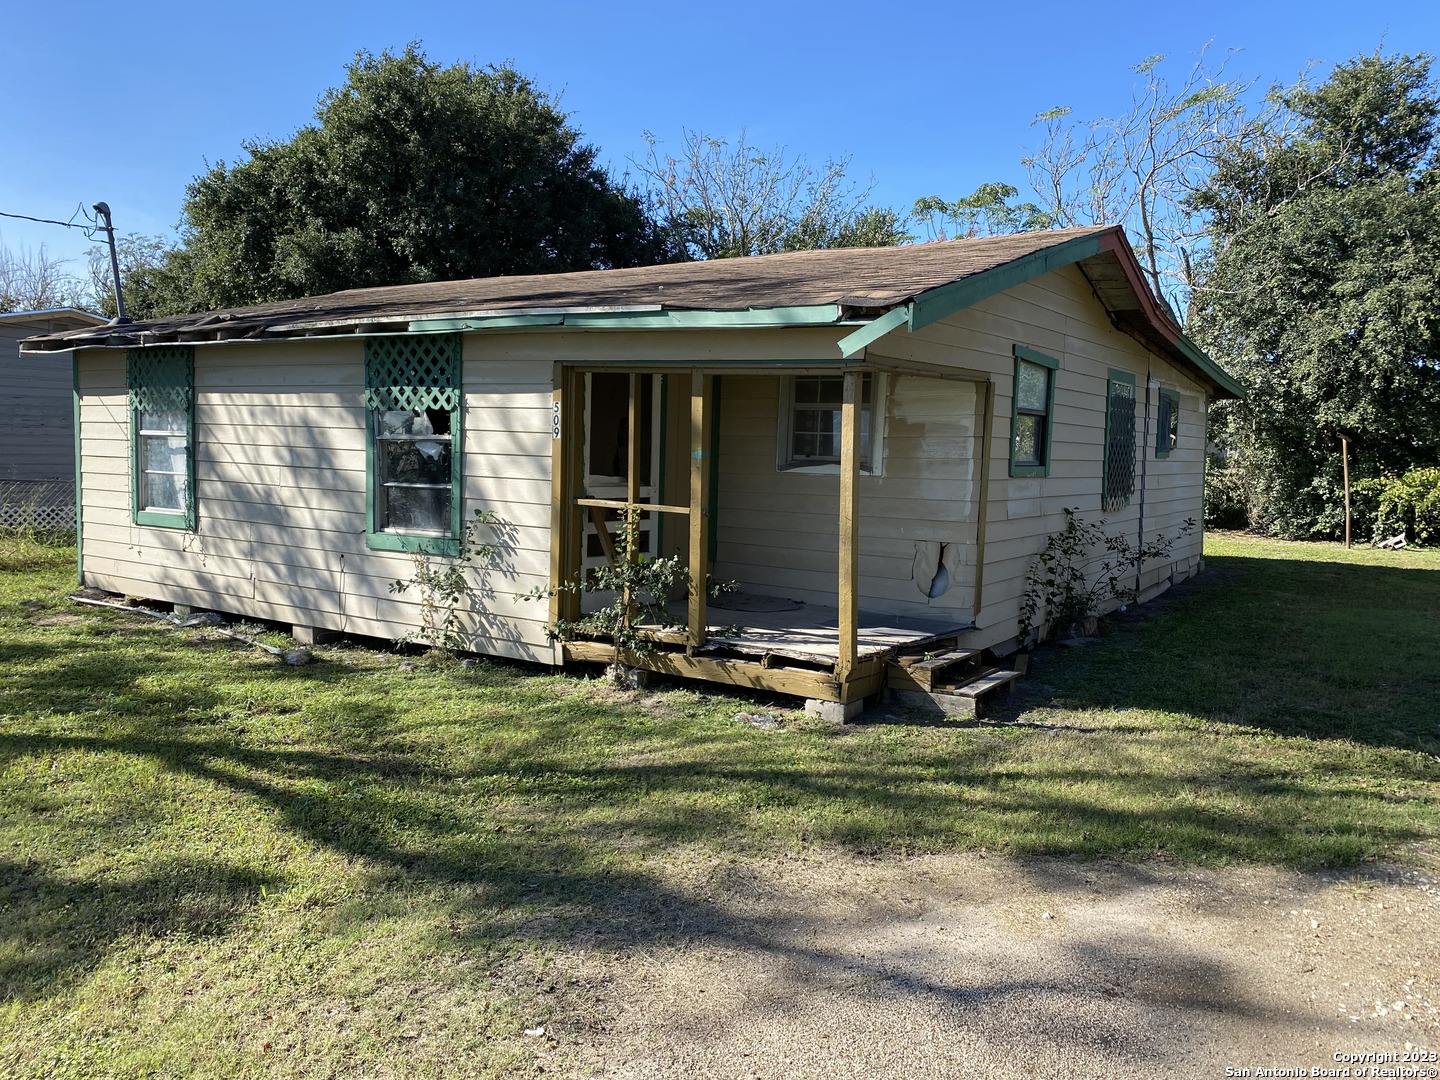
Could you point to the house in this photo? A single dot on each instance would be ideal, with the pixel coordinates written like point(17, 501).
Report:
point(873, 444)
point(37, 424)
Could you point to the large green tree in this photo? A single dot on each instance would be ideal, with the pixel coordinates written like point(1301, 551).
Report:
point(1321, 291)
point(412, 172)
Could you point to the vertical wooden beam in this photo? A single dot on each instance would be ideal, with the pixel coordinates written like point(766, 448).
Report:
point(560, 494)
point(631, 523)
point(567, 433)
point(701, 387)
point(849, 579)
point(982, 510)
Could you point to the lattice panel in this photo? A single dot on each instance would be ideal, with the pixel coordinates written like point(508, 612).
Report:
point(40, 504)
point(1120, 447)
point(162, 379)
point(414, 372)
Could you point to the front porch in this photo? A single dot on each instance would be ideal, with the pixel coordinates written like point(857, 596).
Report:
point(794, 643)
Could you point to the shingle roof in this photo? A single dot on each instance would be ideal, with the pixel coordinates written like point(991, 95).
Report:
point(845, 285)
point(865, 278)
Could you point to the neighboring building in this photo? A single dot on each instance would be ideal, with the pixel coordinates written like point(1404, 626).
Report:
point(37, 421)
point(284, 461)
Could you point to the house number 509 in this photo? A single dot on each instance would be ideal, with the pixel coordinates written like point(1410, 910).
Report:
point(555, 420)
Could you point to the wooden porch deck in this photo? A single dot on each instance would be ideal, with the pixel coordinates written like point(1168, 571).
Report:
point(810, 634)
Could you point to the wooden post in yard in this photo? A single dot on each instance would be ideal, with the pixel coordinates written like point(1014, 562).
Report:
point(1345, 465)
point(700, 393)
point(849, 577)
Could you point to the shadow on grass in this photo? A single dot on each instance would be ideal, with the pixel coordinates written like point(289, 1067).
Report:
point(1319, 650)
point(537, 828)
point(54, 929)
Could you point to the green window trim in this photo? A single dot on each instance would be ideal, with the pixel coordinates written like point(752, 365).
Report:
point(416, 374)
point(1118, 472)
point(1167, 423)
point(161, 379)
point(1040, 464)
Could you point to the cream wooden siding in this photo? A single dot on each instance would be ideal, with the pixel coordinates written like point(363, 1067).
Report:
point(280, 482)
point(1058, 314)
point(778, 529)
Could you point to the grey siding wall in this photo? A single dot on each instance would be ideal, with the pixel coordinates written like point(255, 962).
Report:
point(37, 430)
point(280, 483)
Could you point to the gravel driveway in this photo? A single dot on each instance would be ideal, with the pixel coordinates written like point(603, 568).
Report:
point(981, 966)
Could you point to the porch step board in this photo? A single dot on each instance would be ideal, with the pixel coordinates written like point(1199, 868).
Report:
point(968, 700)
point(921, 673)
point(986, 683)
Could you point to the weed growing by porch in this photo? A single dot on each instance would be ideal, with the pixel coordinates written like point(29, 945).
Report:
point(214, 864)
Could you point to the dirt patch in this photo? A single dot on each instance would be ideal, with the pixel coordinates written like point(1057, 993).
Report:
point(974, 966)
point(60, 619)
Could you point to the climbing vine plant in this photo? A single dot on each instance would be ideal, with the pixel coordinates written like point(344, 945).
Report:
point(1060, 591)
point(448, 587)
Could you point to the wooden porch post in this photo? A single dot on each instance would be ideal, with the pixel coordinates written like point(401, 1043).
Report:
point(849, 583)
point(986, 393)
point(701, 386)
point(567, 433)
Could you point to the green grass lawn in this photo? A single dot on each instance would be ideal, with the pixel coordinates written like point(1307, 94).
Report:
point(215, 865)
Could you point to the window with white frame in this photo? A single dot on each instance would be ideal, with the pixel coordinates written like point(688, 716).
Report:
point(810, 412)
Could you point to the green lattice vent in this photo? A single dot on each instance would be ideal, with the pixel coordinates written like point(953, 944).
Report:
point(161, 379)
point(1120, 447)
point(415, 372)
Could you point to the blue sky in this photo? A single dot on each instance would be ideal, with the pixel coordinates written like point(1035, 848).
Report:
point(127, 103)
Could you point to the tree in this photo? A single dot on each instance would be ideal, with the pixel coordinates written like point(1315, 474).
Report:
point(33, 281)
point(1136, 168)
point(1321, 290)
point(412, 172)
point(987, 211)
point(720, 201)
point(144, 263)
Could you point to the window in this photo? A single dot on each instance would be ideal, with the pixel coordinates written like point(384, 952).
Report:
point(1167, 426)
point(1032, 409)
point(1119, 470)
point(810, 419)
point(413, 467)
point(162, 436)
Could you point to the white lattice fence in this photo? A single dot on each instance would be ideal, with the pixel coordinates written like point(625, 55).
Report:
point(38, 504)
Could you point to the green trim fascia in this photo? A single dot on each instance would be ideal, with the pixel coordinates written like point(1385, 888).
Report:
point(1162, 431)
point(79, 475)
point(1024, 352)
point(853, 342)
point(369, 474)
point(808, 315)
point(1025, 355)
point(713, 546)
point(662, 385)
point(945, 300)
point(429, 545)
point(457, 464)
point(1198, 357)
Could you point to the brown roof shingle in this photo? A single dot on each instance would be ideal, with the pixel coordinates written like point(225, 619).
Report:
point(869, 278)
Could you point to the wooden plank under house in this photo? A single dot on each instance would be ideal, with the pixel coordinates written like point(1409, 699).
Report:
point(872, 445)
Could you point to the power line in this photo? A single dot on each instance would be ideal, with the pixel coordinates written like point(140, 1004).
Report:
point(88, 227)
